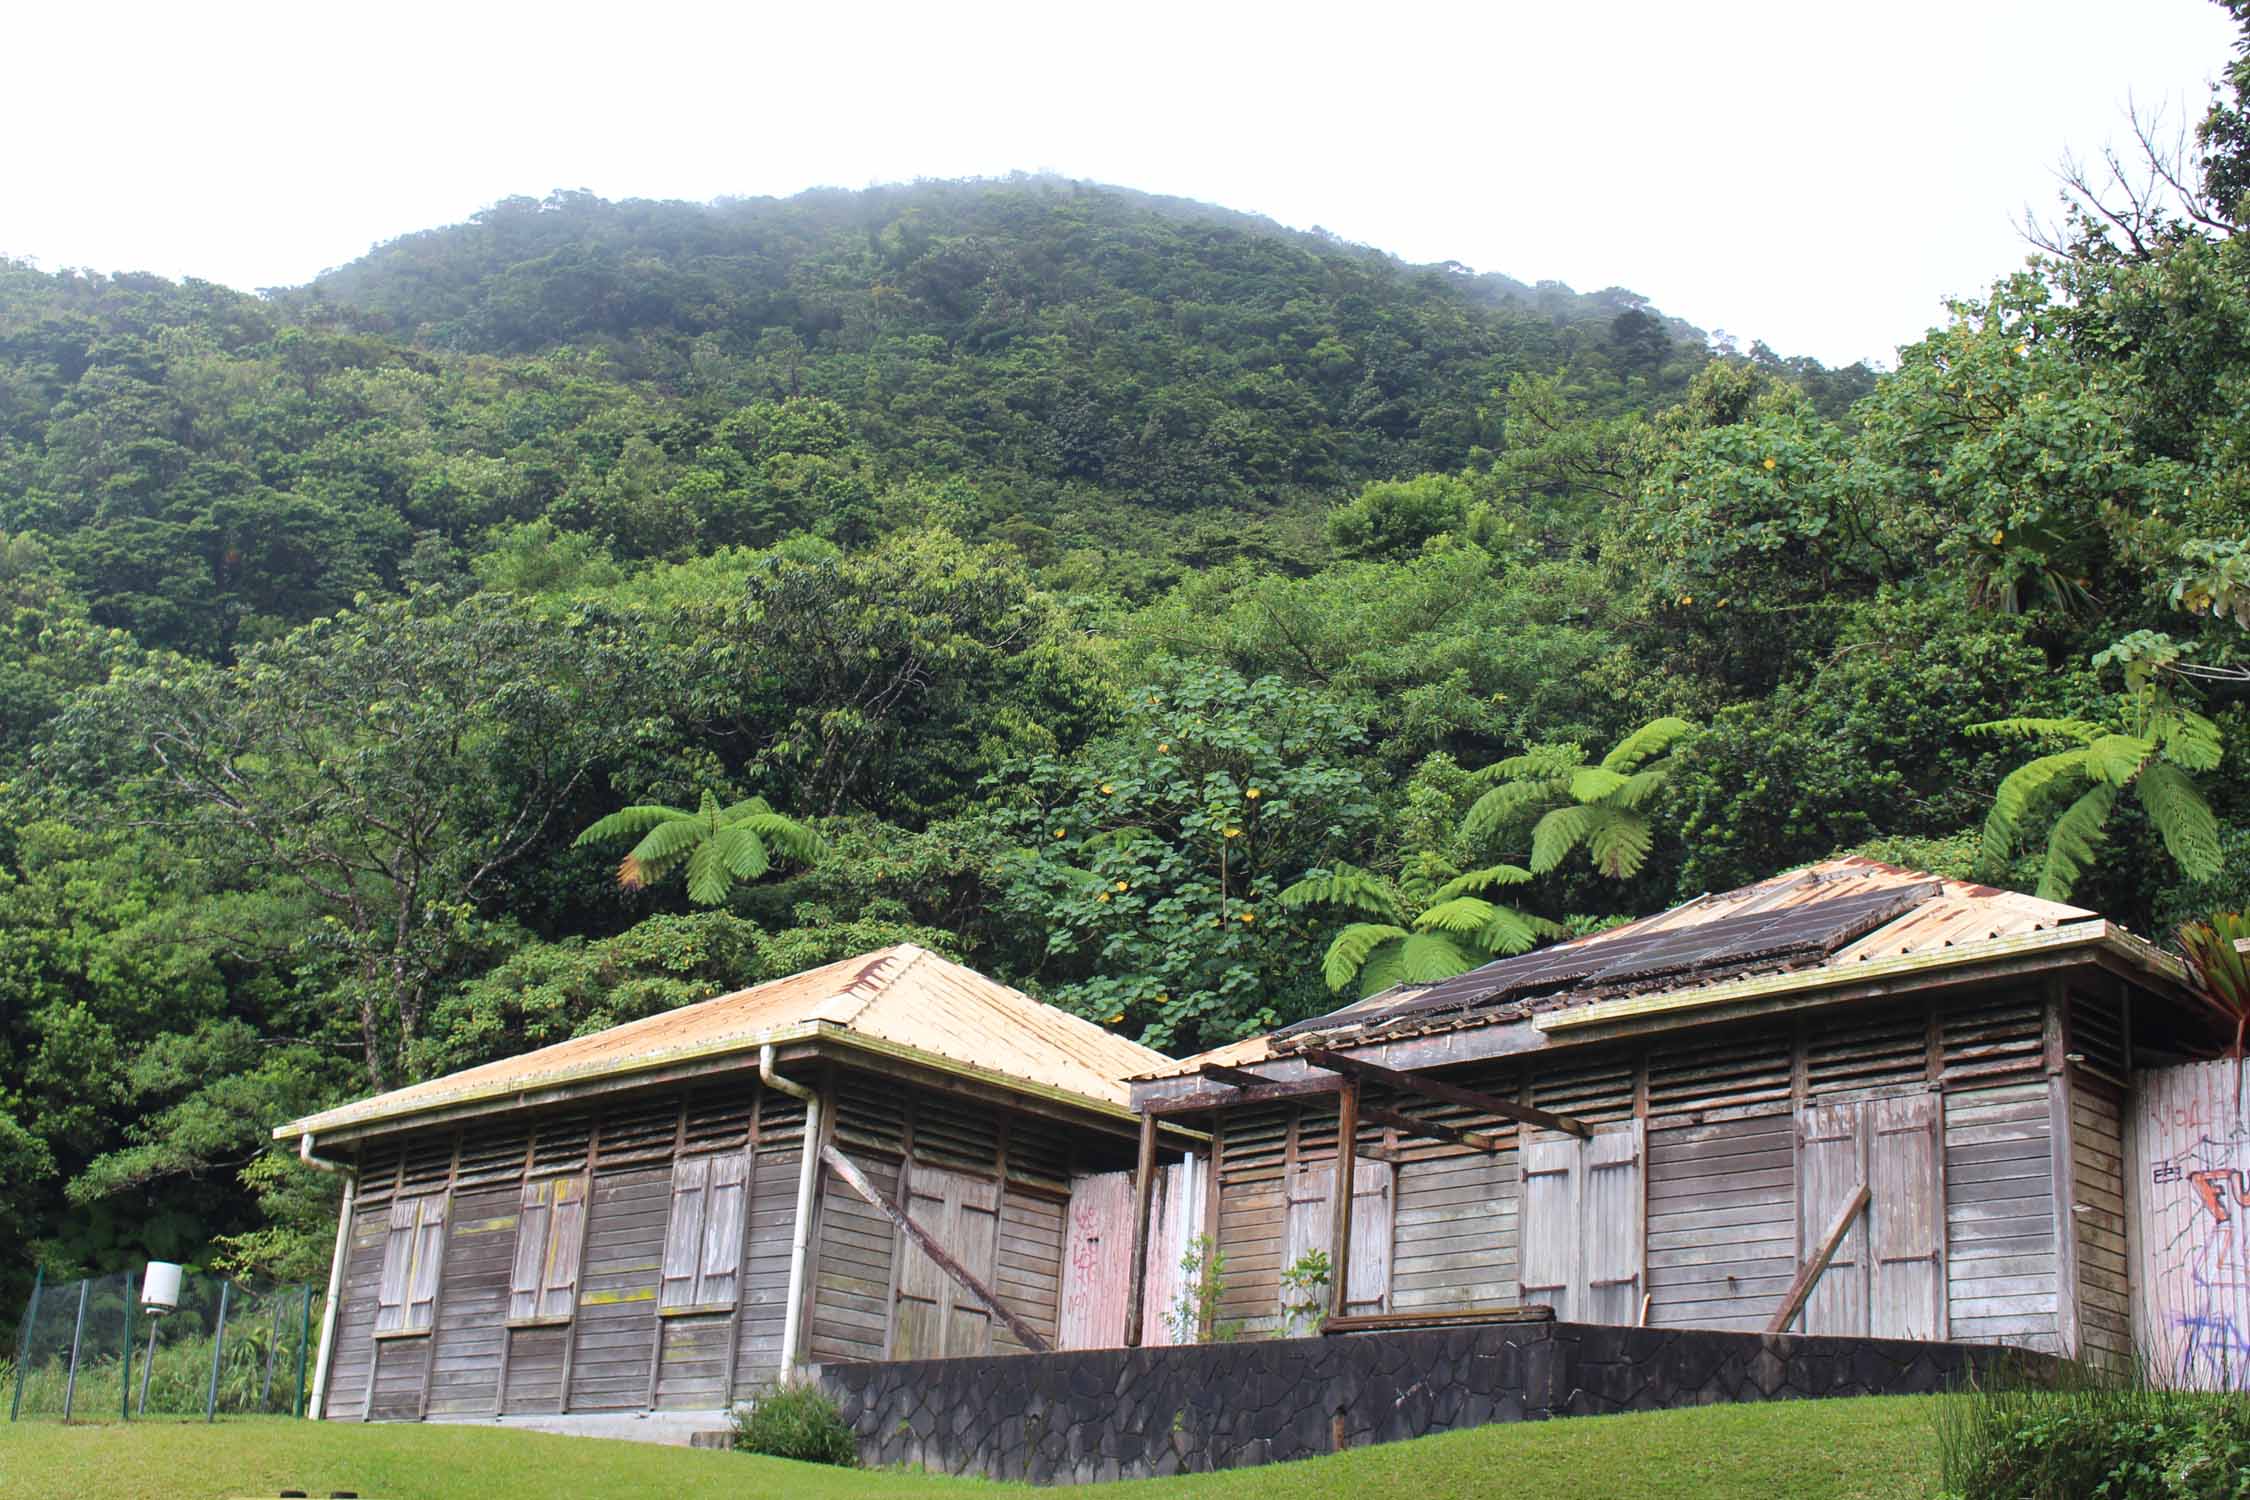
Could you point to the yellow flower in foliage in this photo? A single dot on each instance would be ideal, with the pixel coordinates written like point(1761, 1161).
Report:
point(1122, 886)
point(1769, 463)
point(1253, 794)
point(1162, 746)
point(1998, 537)
point(1058, 833)
point(1104, 896)
point(1234, 833)
point(1113, 1020)
point(1107, 789)
point(1249, 916)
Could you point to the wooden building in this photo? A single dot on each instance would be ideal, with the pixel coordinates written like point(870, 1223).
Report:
point(1852, 1099)
point(875, 1158)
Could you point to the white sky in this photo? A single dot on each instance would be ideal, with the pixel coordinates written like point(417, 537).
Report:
point(1812, 173)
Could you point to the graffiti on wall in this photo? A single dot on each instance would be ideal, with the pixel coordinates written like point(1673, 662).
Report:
point(2192, 1166)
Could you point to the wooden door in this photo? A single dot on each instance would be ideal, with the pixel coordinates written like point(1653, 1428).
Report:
point(1906, 1217)
point(1832, 1163)
point(1310, 1225)
point(1585, 1210)
point(936, 1316)
point(1887, 1277)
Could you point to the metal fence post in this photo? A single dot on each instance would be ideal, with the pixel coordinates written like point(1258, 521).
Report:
point(77, 1331)
point(125, 1365)
point(218, 1348)
point(304, 1347)
point(23, 1339)
point(273, 1351)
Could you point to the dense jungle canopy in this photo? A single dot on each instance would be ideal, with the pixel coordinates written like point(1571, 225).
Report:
point(1122, 595)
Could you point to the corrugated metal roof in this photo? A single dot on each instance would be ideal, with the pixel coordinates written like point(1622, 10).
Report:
point(1953, 913)
point(906, 996)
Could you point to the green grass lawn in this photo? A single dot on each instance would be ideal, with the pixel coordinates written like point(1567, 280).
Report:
point(1797, 1450)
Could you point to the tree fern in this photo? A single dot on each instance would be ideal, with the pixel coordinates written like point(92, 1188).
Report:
point(1599, 807)
point(1354, 948)
point(2104, 761)
point(1454, 930)
point(716, 845)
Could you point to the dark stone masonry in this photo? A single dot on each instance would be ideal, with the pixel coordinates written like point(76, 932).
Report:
point(1123, 1413)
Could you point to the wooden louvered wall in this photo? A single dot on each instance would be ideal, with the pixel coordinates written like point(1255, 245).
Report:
point(995, 1181)
point(1943, 1102)
point(596, 1187)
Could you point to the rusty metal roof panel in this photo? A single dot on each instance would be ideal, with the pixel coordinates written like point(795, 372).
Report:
point(1754, 927)
point(905, 996)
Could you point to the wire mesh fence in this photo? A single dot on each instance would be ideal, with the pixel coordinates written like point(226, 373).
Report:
point(89, 1351)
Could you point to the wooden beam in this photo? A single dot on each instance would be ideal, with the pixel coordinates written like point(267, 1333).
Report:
point(1435, 1130)
point(1230, 1097)
point(1144, 1200)
point(1340, 1195)
point(844, 1167)
point(1809, 1273)
point(1241, 1078)
point(1450, 1093)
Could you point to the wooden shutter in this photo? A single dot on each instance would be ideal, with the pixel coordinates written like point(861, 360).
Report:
point(398, 1265)
point(1832, 1163)
point(544, 1281)
point(683, 1236)
point(729, 1195)
point(1612, 1236)
point(1906, 1218)
point(936, 1316)
point(533, 1214)
point(429, 1255)
point(1311, 1225)
point(1550, 1223)
point(566, 1235)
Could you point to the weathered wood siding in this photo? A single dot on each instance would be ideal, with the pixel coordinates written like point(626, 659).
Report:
point(613, 1338)
point(2001, 1256)
point(466, 1349)
point(765, 1264)
point(691, 1371)
point(2097, 1214)
point(535, 1369)
point(1722, 1221)
point(1310, 1227)
point(2188, 1143)
point(850, 1317)
point(353, 1359)
point(1097, 1259)
point(1455, 1234)
point(1254, 1157)
point(1028, 1270)
point(401, 1365)
point(1584, 1236)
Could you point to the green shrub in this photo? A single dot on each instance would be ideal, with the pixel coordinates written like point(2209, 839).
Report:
point(2112, 1439)
point(795, 1421)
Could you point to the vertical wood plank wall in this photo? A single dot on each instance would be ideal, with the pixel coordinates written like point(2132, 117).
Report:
point(471, 1324)
point(2189, 1183)
point(1943, 1107)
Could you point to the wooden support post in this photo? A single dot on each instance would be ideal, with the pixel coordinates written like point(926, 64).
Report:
point(844, 1167)
point(1450, 1093)
point(1809, 1273)
point(1340, 1224)
point(1144, 1204)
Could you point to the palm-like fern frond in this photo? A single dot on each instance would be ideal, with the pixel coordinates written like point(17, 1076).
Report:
point(2187, 737)
point(1556, 834)
point(1652, 739)
point(1427, 957)
point(1469, 882)
point(2032, 729)
point(2072, 843)
point(1349, 954)
point(1619, 841)
point(2183, 818)
point(2019, 793)
point(1346, 886)
point(637, 819)
point(1494, 808)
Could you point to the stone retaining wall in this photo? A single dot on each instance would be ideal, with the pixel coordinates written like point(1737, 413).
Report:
point(1123, 1413)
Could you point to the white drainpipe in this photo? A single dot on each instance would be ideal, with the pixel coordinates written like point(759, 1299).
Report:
point(800, 1236)
point(315, 1408)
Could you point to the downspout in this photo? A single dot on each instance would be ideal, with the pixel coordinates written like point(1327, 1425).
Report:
point(800, 1235)
point(316, 1407)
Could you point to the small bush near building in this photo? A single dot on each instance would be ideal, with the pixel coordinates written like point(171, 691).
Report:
point(795, 1421)
point(2116, 1440)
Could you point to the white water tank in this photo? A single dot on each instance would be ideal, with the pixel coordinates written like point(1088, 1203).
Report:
point(160, 1287)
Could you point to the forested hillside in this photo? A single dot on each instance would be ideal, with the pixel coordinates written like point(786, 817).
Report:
point(1186, 619)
